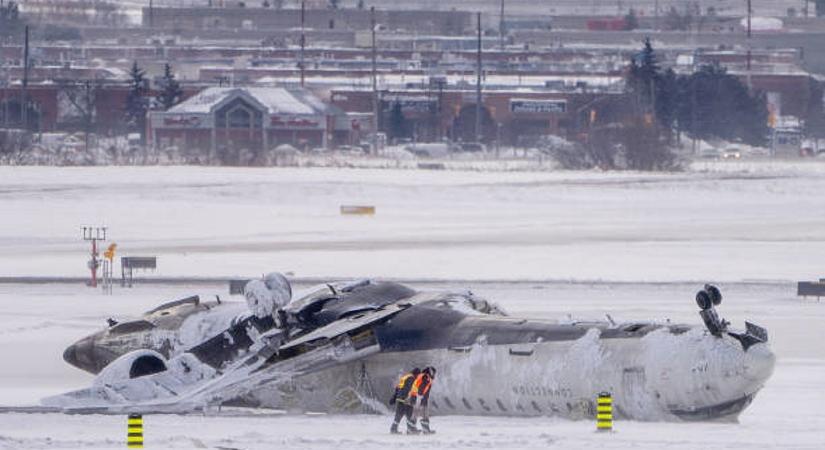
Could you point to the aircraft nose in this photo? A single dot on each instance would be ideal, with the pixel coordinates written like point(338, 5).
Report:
point(81, 355)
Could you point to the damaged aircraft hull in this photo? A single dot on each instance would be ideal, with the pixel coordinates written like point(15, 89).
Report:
point(342, 351)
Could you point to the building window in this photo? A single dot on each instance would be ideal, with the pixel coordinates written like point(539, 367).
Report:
point(238, 114)
point(239, 117)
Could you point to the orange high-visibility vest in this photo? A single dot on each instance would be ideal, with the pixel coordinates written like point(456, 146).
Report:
point(418, 389)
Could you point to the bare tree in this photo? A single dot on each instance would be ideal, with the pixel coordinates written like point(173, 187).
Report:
point(14, 145)
point(79, 100)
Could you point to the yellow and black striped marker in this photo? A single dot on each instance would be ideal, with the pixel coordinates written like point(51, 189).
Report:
point(134, 437)
point(604, 412)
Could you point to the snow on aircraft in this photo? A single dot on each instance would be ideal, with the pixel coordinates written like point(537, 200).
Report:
point(341, 346)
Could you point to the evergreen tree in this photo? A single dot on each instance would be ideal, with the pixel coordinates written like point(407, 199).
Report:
point(654, 90)
point(170, 91)
point(642, 77)
point(713, 103)
point(136, 101)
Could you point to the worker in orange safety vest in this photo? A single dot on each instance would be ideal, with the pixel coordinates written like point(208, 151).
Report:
point(420, 398)
point(401, 400)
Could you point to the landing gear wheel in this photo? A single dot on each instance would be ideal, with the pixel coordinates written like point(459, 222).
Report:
point(704, 300)
point(714, 293)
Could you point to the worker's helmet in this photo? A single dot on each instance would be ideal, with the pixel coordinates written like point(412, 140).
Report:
point(416, 371)
point(430, 370)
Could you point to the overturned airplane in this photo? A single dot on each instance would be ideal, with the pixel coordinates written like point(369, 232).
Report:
point(340, 347)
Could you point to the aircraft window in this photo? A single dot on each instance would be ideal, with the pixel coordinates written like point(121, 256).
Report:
point(483, 405)
point(501, 405)
point(536, 406)
point(466, 403)
point(449, 403)
point(130, 327)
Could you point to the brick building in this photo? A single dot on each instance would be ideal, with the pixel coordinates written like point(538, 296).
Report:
point(512, 116)
point(255, 119)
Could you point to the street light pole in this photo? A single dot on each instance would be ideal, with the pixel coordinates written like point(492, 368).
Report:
point(374, 84)
point(478, 82)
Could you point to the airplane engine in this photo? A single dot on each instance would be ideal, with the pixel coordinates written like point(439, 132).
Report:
point(266, 296)
point(134, 364)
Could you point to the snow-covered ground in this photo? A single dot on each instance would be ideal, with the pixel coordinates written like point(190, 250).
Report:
point(38, 321)
point(643, 240)
point(719, 221)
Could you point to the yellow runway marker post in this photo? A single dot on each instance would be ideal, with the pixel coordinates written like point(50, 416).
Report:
point(604, 412)
point(134, 436)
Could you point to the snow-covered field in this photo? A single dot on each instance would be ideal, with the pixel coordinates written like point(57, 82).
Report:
point(720, 221)
point(541, 244)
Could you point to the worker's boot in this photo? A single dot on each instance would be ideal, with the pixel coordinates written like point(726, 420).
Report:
point(425, 427)
point(394, 429)
point(411, 428)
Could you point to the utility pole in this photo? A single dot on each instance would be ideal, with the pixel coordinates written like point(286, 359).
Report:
point(303, 42)
point(750, 13)
point(478, 82)
point(374, 84)
point(501, 27)
point(24, 100)
point(151, 14)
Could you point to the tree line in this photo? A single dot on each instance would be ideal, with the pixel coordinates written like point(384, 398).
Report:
point(81, 98)
point(705, 104)
point(658, 107)
point(138, 102)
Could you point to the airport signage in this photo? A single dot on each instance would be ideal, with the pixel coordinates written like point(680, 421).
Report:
point(183, 121)
point(537, 106)
point(296, 122)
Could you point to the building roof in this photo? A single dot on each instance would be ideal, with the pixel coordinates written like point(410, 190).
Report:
point(276, 100)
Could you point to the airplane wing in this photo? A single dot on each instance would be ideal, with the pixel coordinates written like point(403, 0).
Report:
point(348, 339)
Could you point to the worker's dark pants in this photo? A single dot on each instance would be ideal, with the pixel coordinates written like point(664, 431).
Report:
point(402, 410)
point(423, 413)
